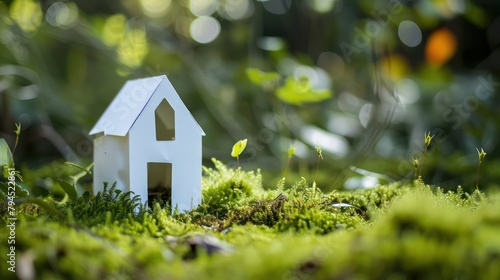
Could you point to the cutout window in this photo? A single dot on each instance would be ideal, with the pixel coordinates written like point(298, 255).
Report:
point(165, 122)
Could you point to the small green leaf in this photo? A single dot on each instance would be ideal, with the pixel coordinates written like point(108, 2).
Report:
point(68, 188)
point(239, 147)
point(5, 154)
point(20, 192)
point(291, 151)
point(296, 92)
point(262, 78)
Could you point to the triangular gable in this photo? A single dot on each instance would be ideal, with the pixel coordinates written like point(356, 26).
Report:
point(182, 107)
point(127, 105)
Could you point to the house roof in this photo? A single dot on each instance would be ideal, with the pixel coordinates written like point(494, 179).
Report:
point(127, 106)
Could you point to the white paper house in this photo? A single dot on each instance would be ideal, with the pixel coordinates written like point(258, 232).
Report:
point(148, 142)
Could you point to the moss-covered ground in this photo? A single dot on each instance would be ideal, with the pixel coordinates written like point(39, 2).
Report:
point(241, 231)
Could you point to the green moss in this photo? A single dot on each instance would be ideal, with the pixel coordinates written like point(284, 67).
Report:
point(225, 188)
point(409, 231)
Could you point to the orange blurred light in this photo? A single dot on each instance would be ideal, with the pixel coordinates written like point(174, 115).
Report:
point(441, 46)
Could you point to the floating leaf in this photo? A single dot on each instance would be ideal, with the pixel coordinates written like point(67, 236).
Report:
point(238, 148)
point(300, 91)
point(441, 46)
point(262, 78)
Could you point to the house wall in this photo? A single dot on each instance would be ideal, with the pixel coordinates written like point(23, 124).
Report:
point(184, 152)
point(111, 162)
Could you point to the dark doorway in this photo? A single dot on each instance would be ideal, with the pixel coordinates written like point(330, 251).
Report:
point(159, 182)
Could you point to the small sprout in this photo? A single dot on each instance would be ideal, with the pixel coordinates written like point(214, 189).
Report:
point(480, 155)
point(427, 142)
point(318, 151)
point(320, 157)
point(17, 132)
point(428, 138)
point(18, 129)
point(238, 148)
point(415, 168)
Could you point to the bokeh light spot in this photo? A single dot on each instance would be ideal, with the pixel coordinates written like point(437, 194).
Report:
point(133, 48)
point(204, 29)
point(457, 6)
point(238, 9)
point(277, 7)
point(408, 91)
point(202, 7)
point(271, 43)
point(62, 15)
point(409, 33)
point(329, 142)
point(394, 67)
point(27, 14)
point(441, 46)
point(306, 72)
point(114, 29)
point(317, 77)
point(365, 114)
point(344, 124)
point(155, 8)
point(322, 6)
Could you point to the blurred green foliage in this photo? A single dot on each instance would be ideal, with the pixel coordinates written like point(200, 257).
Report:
point(362, 79)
